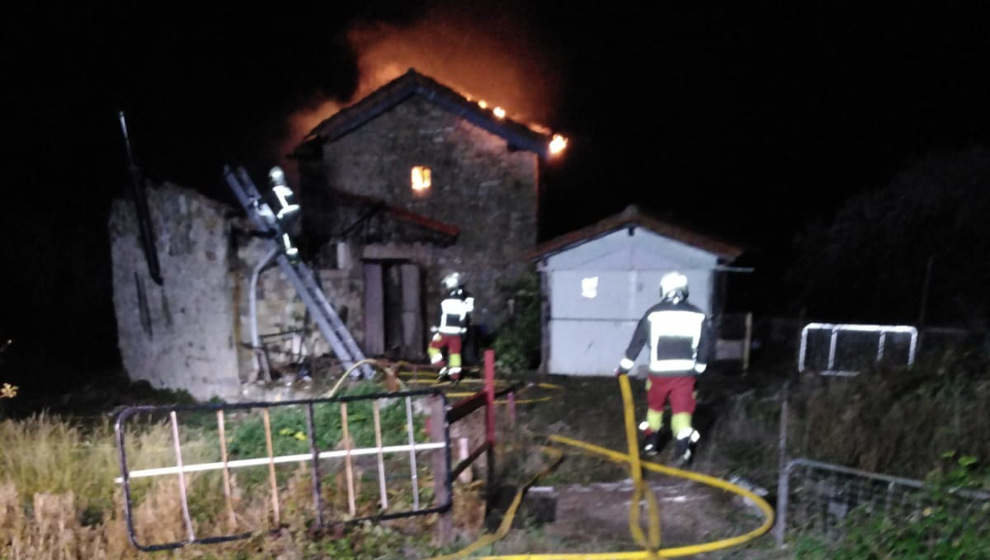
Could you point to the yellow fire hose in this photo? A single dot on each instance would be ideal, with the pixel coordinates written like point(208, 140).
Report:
point(390, 371)
point(650, 544)
point(413, 377)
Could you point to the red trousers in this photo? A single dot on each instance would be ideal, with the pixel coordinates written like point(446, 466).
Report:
point(452, 342)
point(680, 391)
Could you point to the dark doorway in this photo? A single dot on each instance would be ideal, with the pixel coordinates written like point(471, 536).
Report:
point(393, 310)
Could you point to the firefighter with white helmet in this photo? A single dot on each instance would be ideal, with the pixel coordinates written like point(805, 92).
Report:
point(455, 317)
point(677, 335)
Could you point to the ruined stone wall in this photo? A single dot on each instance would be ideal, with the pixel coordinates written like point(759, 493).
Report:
point(180, 335)
point(194, 332)
point(479, 185)
point(281, 312)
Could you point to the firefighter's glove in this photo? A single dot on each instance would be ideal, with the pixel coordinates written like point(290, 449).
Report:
point(700, 368)
point(625, 364)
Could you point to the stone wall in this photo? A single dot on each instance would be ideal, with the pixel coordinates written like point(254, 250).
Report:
point(281, 310)
point(194, 332)
point(478, 184)
point(180, 335)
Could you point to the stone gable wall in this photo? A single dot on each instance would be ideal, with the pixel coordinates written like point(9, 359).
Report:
point(180, 335)
point(479, 185)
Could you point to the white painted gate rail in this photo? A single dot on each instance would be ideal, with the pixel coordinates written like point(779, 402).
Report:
point(835, 328)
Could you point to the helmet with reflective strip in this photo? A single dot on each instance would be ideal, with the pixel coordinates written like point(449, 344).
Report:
point(277, 176)
point(452, 280)
point(674, 286)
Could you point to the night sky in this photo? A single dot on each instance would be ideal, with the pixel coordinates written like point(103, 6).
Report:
point(746, 122)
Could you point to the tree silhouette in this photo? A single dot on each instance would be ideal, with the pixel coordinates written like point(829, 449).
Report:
point(869, 264)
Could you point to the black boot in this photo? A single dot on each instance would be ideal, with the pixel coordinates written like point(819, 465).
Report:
point(653, 443)
point(682, 452)
point(684, 449)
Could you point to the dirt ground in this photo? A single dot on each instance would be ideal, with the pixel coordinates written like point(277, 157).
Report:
point(592, 495)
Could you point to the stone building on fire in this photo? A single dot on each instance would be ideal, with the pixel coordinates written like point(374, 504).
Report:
point(409, 183)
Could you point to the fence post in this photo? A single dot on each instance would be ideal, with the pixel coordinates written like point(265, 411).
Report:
point(463, 452)
point(747, 342)
point(441, 461)
point(490, 424)
point(782, 477)
point(511, 406)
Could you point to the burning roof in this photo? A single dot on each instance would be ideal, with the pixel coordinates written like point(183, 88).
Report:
point(493, 120)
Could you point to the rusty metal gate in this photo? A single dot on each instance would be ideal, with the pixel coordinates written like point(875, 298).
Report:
point(432, 402)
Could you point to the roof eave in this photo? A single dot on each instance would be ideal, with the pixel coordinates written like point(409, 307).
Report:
point(516, 135)
point(720, 249)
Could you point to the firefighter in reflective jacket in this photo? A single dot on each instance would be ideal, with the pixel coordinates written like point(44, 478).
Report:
point(678, 338)
point(455, 315)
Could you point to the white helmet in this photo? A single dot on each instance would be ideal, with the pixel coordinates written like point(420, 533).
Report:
point(674, 286)
point(277, 176)
point(452, 280)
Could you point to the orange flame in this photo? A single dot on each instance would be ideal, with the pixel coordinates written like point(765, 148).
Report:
point(458, 50)
point(557, 144)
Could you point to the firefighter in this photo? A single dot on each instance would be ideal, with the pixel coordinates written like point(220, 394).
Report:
point(455, 317)
point(677, 334)
point(287, 210)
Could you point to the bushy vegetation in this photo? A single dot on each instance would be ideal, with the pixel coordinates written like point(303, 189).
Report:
point(517, 345)
point(944, 526)
point(895, 420)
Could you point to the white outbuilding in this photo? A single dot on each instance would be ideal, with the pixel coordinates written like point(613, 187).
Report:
point(599, 280)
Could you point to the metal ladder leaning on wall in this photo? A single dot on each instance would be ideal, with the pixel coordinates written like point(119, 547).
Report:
point(301, 276)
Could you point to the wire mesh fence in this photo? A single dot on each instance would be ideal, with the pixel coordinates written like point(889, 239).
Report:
point(825, 500)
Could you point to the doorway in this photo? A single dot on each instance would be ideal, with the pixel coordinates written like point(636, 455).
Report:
point(393, 310)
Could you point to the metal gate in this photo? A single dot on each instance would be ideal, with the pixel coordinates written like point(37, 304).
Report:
point(432, 401)
point(848, 361)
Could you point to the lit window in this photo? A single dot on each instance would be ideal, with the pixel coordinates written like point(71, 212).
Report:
point(589, 287)
point(420, 178)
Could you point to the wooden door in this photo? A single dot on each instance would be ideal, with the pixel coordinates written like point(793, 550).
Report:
point(374, 310)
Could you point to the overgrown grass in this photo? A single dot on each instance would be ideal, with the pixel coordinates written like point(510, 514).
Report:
point(46, 454)
point(742, 438)
point(894, 420)
point(58, 498)
point(289, 426)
